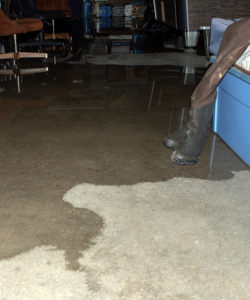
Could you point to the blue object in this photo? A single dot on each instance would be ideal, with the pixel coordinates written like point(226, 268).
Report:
point(138, 41)
point(86, 6)
point(105, 22)
point(103, 13)
point(231, 119)
point(87, 26)
point(218, 28)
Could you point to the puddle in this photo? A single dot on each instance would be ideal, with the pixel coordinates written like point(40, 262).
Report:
point(115, 115)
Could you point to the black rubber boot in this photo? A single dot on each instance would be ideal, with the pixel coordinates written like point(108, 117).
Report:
point(192, 145)
point(174, 140)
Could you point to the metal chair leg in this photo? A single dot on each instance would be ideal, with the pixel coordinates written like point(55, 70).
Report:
point(53, 29)
point(18, 84)
point(15, 43)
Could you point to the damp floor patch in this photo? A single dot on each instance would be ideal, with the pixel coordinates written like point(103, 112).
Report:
point(149, 59)
point(179, 239)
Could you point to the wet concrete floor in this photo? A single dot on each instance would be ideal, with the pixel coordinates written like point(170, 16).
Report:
point(89, 123)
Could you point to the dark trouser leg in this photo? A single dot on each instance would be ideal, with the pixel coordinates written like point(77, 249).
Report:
point(191, 140)
point(192, 145)
point(234, 43)
point(174, 140)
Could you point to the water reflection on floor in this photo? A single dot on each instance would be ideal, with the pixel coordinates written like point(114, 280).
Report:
point(104, 124)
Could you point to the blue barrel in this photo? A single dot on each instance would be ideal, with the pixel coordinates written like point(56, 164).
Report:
point(103, 10)
point(105, 22)
point(86, 5)
point(87, 26)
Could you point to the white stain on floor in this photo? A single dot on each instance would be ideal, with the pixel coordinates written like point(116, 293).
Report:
point(180, 239)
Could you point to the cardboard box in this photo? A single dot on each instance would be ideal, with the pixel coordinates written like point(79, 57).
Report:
point(120, 47)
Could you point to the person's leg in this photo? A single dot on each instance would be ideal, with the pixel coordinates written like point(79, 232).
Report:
point(174, 140)
point(191, 147)
point(234, 43)
point(190, 141)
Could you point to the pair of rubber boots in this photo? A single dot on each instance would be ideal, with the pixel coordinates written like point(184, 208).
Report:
point(189, 141)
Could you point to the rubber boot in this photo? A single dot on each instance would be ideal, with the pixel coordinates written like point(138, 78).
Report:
point(192, 145)
point(174, 140)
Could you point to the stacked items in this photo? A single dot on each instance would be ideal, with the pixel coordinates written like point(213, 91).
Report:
point(122, 15)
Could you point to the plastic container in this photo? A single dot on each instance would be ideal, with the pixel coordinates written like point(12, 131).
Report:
point(118, 22)
point(105, 11)
point(87, 26)
point(128, 10)
point(118, 10)
point(86, 6)
point(105, 22)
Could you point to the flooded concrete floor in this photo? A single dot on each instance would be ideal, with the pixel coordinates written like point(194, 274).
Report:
point(94, 124)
